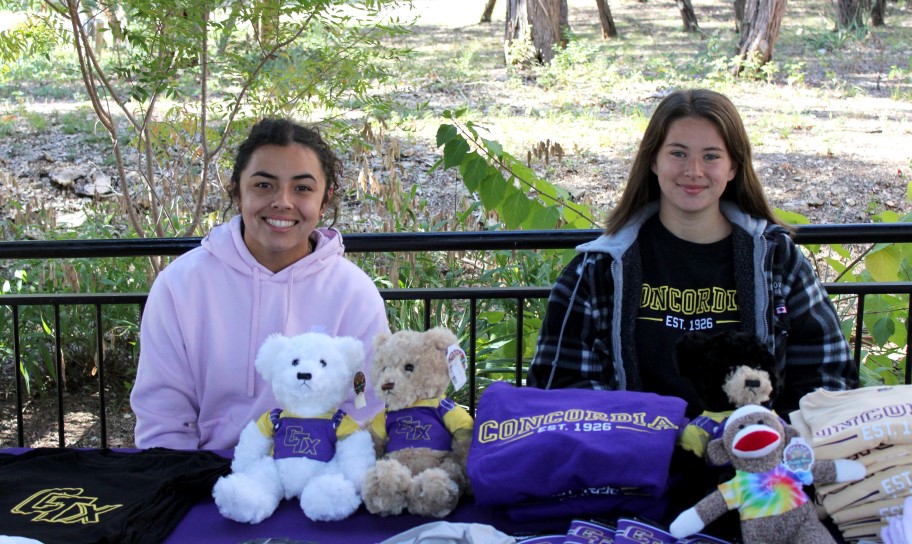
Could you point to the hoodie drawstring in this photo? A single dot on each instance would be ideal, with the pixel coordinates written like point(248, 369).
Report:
point(288, 303)
point(254, 334)
point(560, 336)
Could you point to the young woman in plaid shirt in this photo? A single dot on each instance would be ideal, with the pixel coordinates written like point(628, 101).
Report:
point(692, 245)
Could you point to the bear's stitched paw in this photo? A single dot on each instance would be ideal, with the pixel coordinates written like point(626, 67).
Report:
point(433, 493)
point(386, 486)
point(330, 497)
point(240, 497)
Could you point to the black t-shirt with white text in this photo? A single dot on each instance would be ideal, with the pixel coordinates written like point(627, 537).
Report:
point(686, 287)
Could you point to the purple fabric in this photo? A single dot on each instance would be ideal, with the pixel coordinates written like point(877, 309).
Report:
point(533, 444)
point(712, 427)
point(587, 532)
point(595, 506)
point(205, 524)
point(313, 438)
point(419, 427)
point(631, 531)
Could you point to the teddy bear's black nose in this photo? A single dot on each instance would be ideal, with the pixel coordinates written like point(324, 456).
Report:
point(304, 375)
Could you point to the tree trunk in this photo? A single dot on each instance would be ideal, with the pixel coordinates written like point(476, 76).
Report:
point(488, 10)
point(877, 12)
point(849, 13)
point(739, 15)
point(608, 28)
point(688, 15)
point(760, 30)
point(542, 23)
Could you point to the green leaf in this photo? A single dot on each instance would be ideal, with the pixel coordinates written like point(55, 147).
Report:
point(436, 164)
point(541, 217)
point(493, 147)
point(888, 216)
point(838, 266)
point(841, 251)
point(577, 216)
point(551, 192)
point(445, 133)
point(525, 174)
point(884, 264)
point(492, 316)
point(470, 126)
point(791, 218)
point(493, 189)
point(883, 329)
point(474, 169)
point(454, 151)
point(515, 207)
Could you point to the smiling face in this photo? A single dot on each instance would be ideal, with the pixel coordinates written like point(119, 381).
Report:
point(282, 196)
point(693, 167)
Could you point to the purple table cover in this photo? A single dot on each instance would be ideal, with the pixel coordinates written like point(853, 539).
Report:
point(205, 524)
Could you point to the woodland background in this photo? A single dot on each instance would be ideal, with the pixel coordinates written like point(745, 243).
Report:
point(124, 125)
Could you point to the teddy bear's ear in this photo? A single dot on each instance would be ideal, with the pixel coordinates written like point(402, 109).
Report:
point(441, 338)
point(716, 452)
point(381, 338)
point(353, 351)
point(268, 353)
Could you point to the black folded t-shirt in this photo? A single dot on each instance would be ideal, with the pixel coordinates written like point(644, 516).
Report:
point(82, 496)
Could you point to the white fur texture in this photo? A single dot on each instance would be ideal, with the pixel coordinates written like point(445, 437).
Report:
point(310, 375)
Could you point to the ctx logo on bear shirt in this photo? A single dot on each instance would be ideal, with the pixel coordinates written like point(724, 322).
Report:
point(63, 505)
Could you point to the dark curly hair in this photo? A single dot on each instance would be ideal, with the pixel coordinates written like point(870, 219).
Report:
point(284, 132)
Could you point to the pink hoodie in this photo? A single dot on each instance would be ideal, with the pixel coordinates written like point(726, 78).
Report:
point(207, 314)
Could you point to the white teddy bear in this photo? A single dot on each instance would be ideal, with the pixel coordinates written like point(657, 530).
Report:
point(308, 448)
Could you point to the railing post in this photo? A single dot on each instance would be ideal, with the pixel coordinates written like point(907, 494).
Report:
point(473, 318)
point(859, 327)
point(908, 340)
point(17, 365)
point(99, 335)
point(520, 305)
point(61, 378)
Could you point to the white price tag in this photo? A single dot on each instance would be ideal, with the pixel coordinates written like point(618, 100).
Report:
point(456, 360)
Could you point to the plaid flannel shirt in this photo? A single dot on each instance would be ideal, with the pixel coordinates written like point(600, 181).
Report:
point(588, 337)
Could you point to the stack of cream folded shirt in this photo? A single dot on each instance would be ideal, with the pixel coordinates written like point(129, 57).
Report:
point(872, 425)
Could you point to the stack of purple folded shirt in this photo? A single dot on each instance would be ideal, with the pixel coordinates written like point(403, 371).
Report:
point(573, 451)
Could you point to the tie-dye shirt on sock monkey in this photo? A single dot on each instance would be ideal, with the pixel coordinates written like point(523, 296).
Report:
point(757, 495)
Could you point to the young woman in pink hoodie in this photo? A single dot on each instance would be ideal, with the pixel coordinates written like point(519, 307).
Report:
point(268, 270)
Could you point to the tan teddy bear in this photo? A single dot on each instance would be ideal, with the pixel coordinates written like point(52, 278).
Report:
point(423, 436)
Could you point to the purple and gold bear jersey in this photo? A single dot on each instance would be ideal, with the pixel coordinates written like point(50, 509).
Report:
point(428, 423)
point(311, 437)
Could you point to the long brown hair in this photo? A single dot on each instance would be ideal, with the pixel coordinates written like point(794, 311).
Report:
point(643, 185)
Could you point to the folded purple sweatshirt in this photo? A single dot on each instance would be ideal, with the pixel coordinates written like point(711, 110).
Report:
point(532, 444)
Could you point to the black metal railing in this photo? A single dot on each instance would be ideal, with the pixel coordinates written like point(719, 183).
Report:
point(398, 242)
